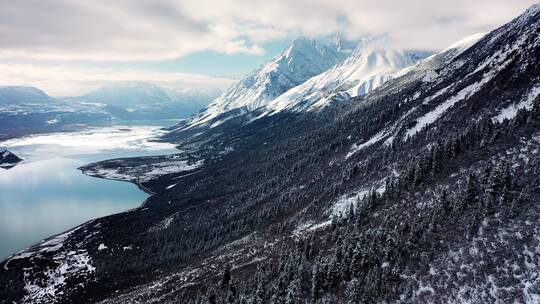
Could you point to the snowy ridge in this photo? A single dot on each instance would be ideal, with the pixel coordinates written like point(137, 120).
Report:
point(367, 69)
point(303, 59)
point(465, 43)
point(452, 52)
point(495, 63)
point(527, 103)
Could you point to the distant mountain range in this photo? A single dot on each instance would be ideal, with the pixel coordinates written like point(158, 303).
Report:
point(140, 100)
point(28, 110)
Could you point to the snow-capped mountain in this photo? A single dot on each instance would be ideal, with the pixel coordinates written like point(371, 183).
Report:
point(29, 110)
point(371, 65)
point(303, 59)
point(139, 100)
point(16, 95)
point(365, 70)
point(136, 94)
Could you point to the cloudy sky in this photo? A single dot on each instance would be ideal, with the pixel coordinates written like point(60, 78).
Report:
point(68, 47)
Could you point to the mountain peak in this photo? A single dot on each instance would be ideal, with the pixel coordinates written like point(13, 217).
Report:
point(23, 95)
point(301, 60)
point(367, 68)
point(301, 42)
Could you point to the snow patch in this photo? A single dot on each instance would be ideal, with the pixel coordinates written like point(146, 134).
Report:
point(465, 43)
point(433, 115)
point(355, 148)
point(45, 288)
point(164, 224)
point(511, 111)
point(144, 173)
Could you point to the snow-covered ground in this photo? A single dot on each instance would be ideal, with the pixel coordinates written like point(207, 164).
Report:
point(526, 103)
point(366, 69)
point(303, 59)
point(93, 140)
point(144, 172)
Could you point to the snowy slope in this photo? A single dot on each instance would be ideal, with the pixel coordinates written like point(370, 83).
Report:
point(465, 43)
point(366, 69)
point(371, 65)
point(303, 59)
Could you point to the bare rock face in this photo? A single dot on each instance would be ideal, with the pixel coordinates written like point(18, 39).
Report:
point(8, 160)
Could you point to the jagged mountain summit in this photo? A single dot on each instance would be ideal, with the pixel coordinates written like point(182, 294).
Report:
point(368, 66)
point(371, 65)
point(295, 212)
point(303, 59)
point(366, 69)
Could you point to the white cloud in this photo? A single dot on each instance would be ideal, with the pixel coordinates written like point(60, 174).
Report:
point(143, 29)
point(63, 31)
point(71, 81)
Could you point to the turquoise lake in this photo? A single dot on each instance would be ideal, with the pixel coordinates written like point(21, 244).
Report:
point(46, 194)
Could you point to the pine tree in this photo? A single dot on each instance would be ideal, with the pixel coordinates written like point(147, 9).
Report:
point(474, 223)
point(259, 297)
point(293, 292)
point(226, 278)
point(435, 159)
point(316, 280)
point(471, 194)
point(351, 215)
point(353, 292)
point(445, 203)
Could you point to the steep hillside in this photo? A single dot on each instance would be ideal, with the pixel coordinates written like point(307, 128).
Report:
point(425, 190)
